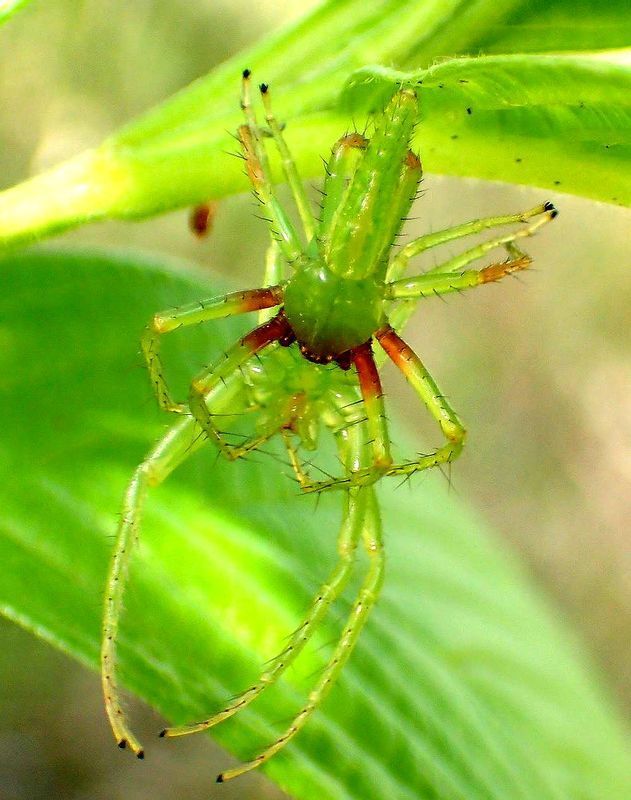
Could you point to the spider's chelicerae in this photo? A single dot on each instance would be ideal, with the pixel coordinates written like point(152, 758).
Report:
point(331, 292)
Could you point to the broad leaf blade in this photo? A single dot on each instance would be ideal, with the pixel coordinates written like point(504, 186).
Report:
point(177, 154)
point(462, 686)
point(561, 122)
point(572, 25)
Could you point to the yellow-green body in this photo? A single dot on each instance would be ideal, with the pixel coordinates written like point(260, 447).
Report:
point(328, 295)
point(334, 299)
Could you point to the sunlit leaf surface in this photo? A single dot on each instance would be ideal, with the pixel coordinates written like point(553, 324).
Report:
point(463, 686)
point(575, 137)
point(562, 122)
point(9, 7)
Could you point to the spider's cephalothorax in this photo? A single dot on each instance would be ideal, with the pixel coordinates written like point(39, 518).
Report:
point(329, 293)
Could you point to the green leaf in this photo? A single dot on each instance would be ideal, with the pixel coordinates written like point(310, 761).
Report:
point(561, 122)
point(9, 7)
point(543, 26)
point(177, 154)
point(463, 685)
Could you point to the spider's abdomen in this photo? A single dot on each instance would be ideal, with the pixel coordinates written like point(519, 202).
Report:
point(368, 191)
point(330, 314)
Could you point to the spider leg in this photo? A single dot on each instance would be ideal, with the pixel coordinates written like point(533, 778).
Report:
point(289, 167)
point(404, 310)
point(372, 395)
point(257, 166)
point(363, 517)
point(348, 538)
point(399, 263)
point(375, 422)
point(456, 263)
point(272, 276)
point(431, 283)
point(209, 380)
point(181, 440)
point(294, 459)
point(425, 387)
point(193, 314)
point(345, 417)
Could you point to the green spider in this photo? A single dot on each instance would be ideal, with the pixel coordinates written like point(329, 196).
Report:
point(337, 289)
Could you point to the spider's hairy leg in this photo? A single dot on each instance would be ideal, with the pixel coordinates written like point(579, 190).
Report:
point(372, 395)
point(364, 517)
point(460, 261)
point(180, 441)
point(340, 169)
point(209, 380)
point(289, 167)
point(258, 170)
point(402, 313)
point(357, 233)
point(294, 459)
point(273, 275)
point(193, 314)
point(431, 283)
point(369, 416)
point(425, 387)
point(399, 263)
point(348, 538)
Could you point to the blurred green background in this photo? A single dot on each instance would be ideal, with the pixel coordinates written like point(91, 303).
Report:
point(538, 368)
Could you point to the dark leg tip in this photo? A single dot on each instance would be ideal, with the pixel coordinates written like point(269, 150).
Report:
point(551, 209)
point(163, 733)
point(246, 73)
point(220, 777)
point(122, 744)
point(140, 755)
